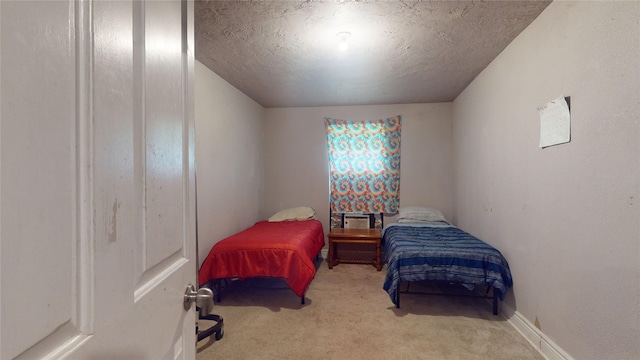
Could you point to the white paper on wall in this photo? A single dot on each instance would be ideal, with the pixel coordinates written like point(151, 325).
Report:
point(555, 122)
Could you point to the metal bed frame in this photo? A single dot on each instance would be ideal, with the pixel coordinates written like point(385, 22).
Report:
point(217, 284)
point(494, 295)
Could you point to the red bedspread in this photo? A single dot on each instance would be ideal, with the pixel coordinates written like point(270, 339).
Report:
point(270, 249)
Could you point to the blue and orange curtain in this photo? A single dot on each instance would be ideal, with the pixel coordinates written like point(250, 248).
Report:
point(364, 165)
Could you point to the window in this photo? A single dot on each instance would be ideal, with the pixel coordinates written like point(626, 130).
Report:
point(364, 165)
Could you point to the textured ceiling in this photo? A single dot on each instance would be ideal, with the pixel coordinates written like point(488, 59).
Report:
point(285, 53)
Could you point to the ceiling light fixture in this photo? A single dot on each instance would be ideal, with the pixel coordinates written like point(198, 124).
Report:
point(343, 36)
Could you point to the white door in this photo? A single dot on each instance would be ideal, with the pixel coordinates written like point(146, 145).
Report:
point(97, 207)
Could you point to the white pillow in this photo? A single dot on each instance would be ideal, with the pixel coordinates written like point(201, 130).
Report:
point(419, 213)
point(296, 213)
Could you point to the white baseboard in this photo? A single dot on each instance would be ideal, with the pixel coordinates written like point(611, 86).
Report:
point(537, 338)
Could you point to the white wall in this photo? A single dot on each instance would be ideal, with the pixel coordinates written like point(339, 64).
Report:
point(295, 155)
point(229, 159)
point(243, 178)
point(566, 217)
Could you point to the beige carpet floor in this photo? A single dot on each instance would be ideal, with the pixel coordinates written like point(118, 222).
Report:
point(348, 315)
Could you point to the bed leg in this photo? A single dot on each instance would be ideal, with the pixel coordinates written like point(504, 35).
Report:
point(495, 302)
point(218, 289)
point(302, 299)
point(397, 296)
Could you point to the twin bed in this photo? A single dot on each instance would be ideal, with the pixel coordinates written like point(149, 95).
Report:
point(422, 246)
point(283, 247)
point(419, 252)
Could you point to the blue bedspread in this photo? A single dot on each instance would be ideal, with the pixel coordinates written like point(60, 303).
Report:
point(441, 253)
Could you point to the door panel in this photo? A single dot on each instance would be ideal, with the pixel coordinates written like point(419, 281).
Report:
point(38, 175)
point(163, 103)
point(97, 210)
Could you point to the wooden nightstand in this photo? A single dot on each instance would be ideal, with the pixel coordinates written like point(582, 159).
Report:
point(354, 236)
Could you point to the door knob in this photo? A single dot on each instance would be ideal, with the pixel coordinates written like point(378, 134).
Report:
point(203, 299)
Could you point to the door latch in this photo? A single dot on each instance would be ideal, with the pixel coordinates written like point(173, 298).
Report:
point(203, 299)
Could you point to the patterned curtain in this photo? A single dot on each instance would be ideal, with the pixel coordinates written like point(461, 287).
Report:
point(364, 165)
